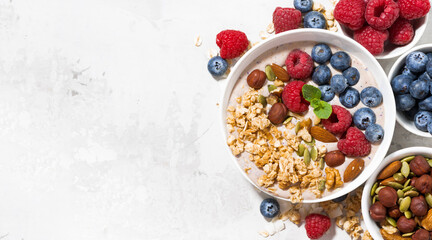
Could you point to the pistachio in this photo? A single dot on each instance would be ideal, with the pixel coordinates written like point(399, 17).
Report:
point(297, 127)
point(407, 159)
point(262, 100)
point(301, 149)
point(314, 153)
point(400, 193)
point(405, 169)
point(374, 188)
point(428, 198)
point(378, 189)
point(271, 88)
point(408, 234)
point(321, 185)
point(391, 221)
point(398, 177)
point(269, 73)
point(395, 185)
point(306, 157)
point(288, 120)
point(411, 193)
point(321, 163)
point(408, 214)
point(311, 143)
point(405, 204)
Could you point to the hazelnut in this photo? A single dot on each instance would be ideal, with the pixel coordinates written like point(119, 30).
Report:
point(413, 181)
point(406, 225)
point(334, 158)
point(277, 113)
point(256, 79)
point(419, 206)
point(377, 212)
point(421, 234)
point(388, 197)
point(424, 184)
point(419, 166)
point(394, 212)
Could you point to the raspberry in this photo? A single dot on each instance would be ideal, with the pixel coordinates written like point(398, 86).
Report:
point(350, 13)
point(299, 64)
point(232, 43)
point(292, 97)
point(413, 9)
point(316, 225)
point(285, 19)
point(381, 14)
point(354, 144)
point(339, 121)
point(372, 39)
point(401, 32)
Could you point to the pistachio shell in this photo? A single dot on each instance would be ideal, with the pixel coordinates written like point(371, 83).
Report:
point(391, 221)
point(408, 214)
point(428, 198)
point(373, 189)
point(297, 127)
point(288, 120)
point(407, 183)
point(395, 185)
point(269, 73)
point(407, 188)
point(262, 100)
point(400, 193)
point(430, 162)
point(311, 143)
point(408, 234)
point(374, 199)
point(405, 204)
point(378, 189)
point(271, 88)
point(407, 159)
point(321, 163)
point(314, 153)
point(306, 157)
point(411, 193)
point(398, 177)
point(301, 149)
point(405, 169)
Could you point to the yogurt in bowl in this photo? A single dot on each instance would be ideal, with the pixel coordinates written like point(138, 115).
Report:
point(277, 177)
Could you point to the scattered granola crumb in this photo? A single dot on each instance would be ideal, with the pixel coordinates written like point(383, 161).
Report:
point(198, 41)
point(270, 28)
point(263, 35)
point(264, 233)
point(212, 53)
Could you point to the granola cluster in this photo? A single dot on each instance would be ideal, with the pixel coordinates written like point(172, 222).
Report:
point(271, 149)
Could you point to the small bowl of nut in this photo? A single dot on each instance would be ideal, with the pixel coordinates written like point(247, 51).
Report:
point(397, 199)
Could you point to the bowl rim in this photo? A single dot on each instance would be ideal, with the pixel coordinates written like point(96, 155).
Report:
point(394, 70)
point(366, 199)
point(389, 110)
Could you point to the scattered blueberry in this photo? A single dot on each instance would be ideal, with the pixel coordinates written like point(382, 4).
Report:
point(363, 117)
point(303, 6)
point(404, 102)
point(321, 75)
point(371, 97)
point(374, 133)
point(411, 113)
point(327, 93)
point(426, 104)
point(340, 199)
point(401, 83)
point(340, 61)
point(422, 119)
point(408, 73)
point(321, 53)
point(269, 208)
point(419, 89)
point(350, 97)
point(314, 19)
point(338, 83)
point(429, 66)
point(416, 62)
point(425, 77)
point(352, 75)
point(217, 66)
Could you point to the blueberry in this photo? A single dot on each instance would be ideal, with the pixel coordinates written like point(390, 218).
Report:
point(426, 104)
point(327, 93)
point(401, 83)
point(429, 55)
point(371, 97)
point(321, 53)
point(217, 66)
point(422, 119)
point(269, 208)
point(411, 113)
point(303, 6)
point(352, 75)
point(350, 97)
point(314, 19)
point(404, 102)
point(363, 117)
point(429, 66)
point(425, 77)
point(338, 83)
point(407, 72)
point(321, 75)
point(340, 61)
point(340, 199)
point(416, 62)
point(374, 133)
point(419, 89)
point(429, 128)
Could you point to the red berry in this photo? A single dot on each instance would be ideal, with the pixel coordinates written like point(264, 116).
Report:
point(285, 19)
point(354, 144)
point(381, 14)
point(401, 32)
point(292, 97)
point(316, 225)
point(372, 39)
point(413, 9)
point(339, 121)
point(232, 43)
point(299, 64)
point(350, 13)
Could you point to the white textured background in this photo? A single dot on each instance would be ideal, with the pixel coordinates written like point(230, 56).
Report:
point(109, 122)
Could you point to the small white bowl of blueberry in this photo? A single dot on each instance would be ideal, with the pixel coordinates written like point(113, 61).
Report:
point(410, 78)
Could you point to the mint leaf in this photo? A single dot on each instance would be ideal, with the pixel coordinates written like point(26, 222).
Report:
point(310, 92)
point(324, 110)
point(315, 103)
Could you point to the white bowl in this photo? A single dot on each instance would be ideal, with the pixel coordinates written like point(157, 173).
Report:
point(371, 225)
point(353, 48)
point(394, 71)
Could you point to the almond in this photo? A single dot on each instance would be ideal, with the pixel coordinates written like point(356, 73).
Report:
point(322, 135)
point(280, 73)
point(388, 171)
point(391, 179)
point(354, 169)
